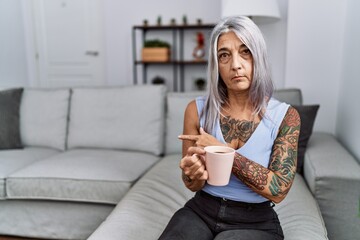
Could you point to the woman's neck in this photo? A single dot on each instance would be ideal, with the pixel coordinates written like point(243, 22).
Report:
point(239, 101)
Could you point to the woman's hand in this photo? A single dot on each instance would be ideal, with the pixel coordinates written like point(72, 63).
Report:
point(202, 140)
point(192, 164)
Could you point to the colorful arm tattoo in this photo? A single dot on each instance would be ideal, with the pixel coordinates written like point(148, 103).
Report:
point(275, 181)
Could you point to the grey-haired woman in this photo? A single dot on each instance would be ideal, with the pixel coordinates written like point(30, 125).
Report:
point(238, 111)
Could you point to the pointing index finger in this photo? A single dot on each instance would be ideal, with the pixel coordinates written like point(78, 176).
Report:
point(188, 137)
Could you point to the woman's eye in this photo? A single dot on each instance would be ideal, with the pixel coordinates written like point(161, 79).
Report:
point(246, 52)
point(224, 57)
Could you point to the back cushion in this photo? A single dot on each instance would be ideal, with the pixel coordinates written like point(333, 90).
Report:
point(291, 96)
point(176, 105)
point(43, 117)
point(126, 118)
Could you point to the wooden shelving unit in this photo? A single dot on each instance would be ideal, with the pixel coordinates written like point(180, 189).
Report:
point(177, 62)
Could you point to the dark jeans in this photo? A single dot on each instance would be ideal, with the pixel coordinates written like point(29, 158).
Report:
point(206, 217)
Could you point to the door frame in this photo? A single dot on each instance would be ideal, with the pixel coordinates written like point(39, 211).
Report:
point(30, 44)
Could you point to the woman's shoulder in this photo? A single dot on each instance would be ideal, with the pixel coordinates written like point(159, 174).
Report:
point(191, 105)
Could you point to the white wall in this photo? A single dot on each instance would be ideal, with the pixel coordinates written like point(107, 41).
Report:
point(275, 36)
point(314, 55)
point(13, 67)
point(348, 113)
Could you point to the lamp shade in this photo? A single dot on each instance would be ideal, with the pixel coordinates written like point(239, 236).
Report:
point(258, 10)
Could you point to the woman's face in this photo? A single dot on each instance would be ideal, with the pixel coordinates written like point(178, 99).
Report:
point(235, 62)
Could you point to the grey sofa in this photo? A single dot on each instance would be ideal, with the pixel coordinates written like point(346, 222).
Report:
point(102, 164)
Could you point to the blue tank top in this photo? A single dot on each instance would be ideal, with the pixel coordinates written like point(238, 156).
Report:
point(257, 148)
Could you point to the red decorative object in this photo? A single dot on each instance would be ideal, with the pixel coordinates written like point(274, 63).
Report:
point(200, 39)
point(199, 51)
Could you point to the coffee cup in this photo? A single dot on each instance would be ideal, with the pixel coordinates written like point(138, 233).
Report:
point(219, 161)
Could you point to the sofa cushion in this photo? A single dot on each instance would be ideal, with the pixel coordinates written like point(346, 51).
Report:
point(43, 117)
point(126, 118)
point(175, 108)
point(15, 159)
point(291, 96)
point(150, 203)
point(299, 213)
point(89, 175)
point(307, 115)
point(153, 200)
point(9, 118)
point(43, 219)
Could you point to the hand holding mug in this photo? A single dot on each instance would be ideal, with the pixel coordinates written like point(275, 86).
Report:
point(193, 167)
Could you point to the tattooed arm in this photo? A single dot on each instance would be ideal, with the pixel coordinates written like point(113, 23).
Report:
point(274, 182)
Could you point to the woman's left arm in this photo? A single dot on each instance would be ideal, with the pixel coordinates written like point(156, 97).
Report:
point(274, 182)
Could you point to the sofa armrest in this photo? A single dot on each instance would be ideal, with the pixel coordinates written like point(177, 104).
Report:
point(333, 175)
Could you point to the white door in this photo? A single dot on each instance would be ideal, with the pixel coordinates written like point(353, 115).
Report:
point(68, 39)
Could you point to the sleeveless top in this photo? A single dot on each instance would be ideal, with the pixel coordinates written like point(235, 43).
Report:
point(257, 148)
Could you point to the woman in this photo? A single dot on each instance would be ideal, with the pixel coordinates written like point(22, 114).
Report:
point(238, 111)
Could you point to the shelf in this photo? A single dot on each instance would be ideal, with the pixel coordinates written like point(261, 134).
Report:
point(189, 62)
point(177, 63)
point(174, 27)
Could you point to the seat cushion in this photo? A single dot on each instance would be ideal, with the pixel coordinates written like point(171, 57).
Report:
point(15, 159)
point(125, 118)
point(88, 175)
point(43, 219)
point(152, 201)
point(40, 129)
point(299, 213)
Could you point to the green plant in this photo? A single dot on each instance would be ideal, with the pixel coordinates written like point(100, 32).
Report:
point(158, 20)
point(184, 18)
point(158, 80)
point(156, 43)
point(200, 83)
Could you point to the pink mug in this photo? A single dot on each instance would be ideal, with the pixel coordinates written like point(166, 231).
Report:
point(219, 161)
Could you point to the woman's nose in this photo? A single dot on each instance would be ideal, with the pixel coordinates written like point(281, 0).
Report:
point(236, 62)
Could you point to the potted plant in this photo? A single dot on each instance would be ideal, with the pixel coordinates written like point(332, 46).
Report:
point(156, 51)
point(158, 80)
point(200, 83)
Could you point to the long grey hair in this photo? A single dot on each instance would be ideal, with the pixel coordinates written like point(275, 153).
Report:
point(261, 88)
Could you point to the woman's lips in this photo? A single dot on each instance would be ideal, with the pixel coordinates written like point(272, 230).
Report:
point(237, 78)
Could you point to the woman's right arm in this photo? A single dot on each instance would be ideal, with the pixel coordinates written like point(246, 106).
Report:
point(194, 174)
